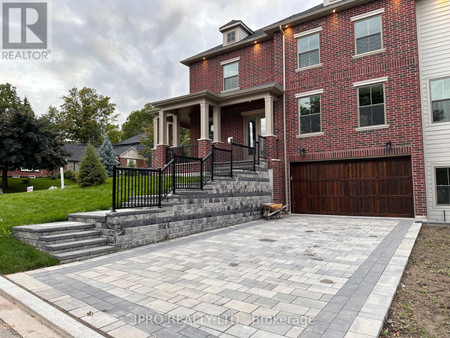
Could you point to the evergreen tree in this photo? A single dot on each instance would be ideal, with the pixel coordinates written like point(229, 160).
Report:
point(107, 156)
point(92, 171)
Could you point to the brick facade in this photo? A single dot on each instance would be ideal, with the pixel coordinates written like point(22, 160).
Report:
point(263, 63)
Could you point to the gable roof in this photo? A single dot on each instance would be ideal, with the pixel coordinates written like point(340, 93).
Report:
point(267, 32)
point(132, 140)
point(76, 151)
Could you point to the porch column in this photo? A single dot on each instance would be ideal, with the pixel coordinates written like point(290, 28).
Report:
point(162, 128)
point(204, 120)
point(204, 143)
point(217, 124)
point(268, 111)
point(159, 154)
point(176, 131)
point(155, 132)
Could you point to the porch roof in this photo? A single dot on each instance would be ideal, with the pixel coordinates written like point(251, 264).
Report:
point(224, 99)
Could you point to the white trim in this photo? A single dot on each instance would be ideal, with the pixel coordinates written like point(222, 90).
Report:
point(367, 15)
point(230, 60)
point(370, 82)
point(375, 127)
point(308, 32)
point(309, 67)
point(373, 52)
point(310, 93)
point(319, 133)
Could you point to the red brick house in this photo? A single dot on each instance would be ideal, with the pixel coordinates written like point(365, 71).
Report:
point(334, 90)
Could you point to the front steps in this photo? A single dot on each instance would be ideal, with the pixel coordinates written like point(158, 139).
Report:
point(66, 241)
point(225, 201)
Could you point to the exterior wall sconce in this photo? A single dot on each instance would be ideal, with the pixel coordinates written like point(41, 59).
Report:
point(388, 146)
point(303, 152)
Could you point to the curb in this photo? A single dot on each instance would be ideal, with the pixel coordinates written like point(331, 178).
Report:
point(55, 319)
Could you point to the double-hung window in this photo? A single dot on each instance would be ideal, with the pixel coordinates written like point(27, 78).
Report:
point(443, 186)
point(231, 76)
point(371, 105)
point(440, 99)
point(309, 111)
point(368, 34)
point(231, 36)
point(308, 50)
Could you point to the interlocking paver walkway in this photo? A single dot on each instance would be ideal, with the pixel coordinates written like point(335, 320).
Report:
point(301, 276)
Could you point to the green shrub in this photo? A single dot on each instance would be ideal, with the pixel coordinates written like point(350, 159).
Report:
point(92, 171)
point(69, 174)
point(26, 181)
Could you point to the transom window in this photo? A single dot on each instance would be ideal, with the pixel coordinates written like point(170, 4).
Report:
point(440, 100)
point(443, 186)
point(231, 36)
point(368, 34)
point(309, 108)
point(371, 105)
point(231, 76)
point(308, 50)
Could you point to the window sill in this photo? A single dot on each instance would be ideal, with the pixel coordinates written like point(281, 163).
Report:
point(309, 67)
point(380, 126)
point(320, 133)
point(230, 90)
point(378, 51)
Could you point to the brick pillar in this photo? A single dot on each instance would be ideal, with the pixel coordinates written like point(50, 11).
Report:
point(159, 156)
point(276, 165)
point(204, 147)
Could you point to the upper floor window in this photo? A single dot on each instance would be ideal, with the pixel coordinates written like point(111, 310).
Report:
point(443, 186)
point(368, 34)
point(231, 76)
point(308, 50)
point(309, 111)
point(371, 105)
point(231, 37)
point(440, 100)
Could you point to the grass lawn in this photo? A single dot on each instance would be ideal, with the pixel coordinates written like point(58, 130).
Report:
point(41, 207)
point(17, 185)
point(421, 305)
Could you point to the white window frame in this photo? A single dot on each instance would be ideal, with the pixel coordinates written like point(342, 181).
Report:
point(378, 12)
point(367, 83)
point(298, 96)
point(131, 160)
point(430, 102)
point(302, 35)
point(227, 62)
point(435, 197)
point(235, 38)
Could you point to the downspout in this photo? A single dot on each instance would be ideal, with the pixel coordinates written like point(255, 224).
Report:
point(286, 176)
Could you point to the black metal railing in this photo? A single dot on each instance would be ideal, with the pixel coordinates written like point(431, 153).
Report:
point(243, 157)
point(261, 151)
point(144, 187)
point(222, 162)
point(188, 150)
point(187, 172)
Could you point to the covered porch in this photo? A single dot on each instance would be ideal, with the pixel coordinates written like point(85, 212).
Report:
point(245, 115)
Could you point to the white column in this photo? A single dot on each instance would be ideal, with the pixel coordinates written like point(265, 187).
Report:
point(176, 131)
point(216, 124)
point(268, 111)
point(155, 132)
point(204, 120)
point(162, 128)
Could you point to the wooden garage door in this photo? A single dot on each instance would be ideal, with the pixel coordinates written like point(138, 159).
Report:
point(372, 187)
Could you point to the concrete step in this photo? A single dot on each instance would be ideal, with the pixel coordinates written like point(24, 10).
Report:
point(54, 228)
point(77, 245)
point(77, 255)
point(71, 236)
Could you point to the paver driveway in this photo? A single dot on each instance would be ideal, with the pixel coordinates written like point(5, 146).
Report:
point(299, 276)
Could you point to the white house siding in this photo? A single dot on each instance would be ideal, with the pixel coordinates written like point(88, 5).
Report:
point(433, 23)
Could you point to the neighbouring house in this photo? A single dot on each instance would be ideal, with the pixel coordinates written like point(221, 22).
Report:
point(333, 91)
point(128, 152)
point(76, 152)
point(433, 24)
point(30, 173)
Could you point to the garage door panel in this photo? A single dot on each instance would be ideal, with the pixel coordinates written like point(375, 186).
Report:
point(372, 187)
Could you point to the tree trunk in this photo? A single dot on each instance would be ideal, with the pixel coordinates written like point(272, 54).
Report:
point(4, 179)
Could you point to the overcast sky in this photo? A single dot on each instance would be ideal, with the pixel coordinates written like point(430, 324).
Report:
point(130, 49)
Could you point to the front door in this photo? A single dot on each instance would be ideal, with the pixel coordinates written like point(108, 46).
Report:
point(254, 127)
